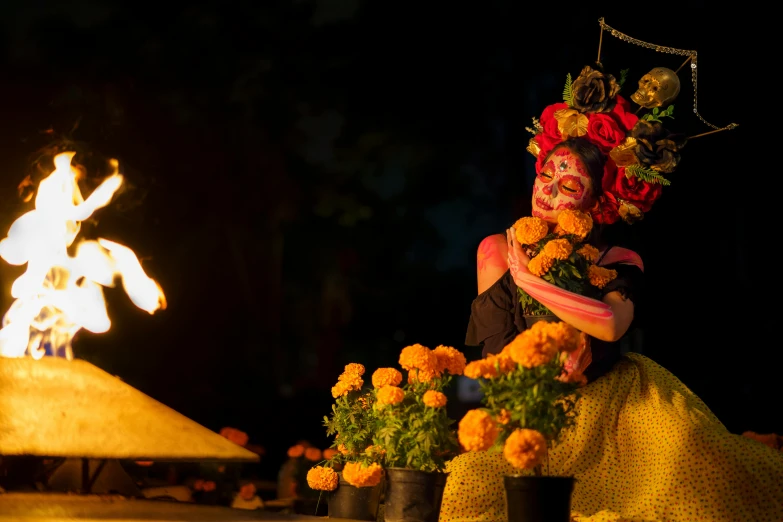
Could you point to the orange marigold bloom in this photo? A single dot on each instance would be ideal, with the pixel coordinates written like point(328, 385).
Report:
point(386, 377)
point(540, 264)
point(234, 435)
point(330, 452)
point(390, 395)
point(530, 230)
point(296, 451)
point(558, 249)
point(772, 440)
point(600, 276)
point(434, 399)
point(449, 359)
point(525, 449)
point(533, 347)
point(490, 367)
point(357, 475)
point(415, 376)
point(477, 431)
point(564, 335)
point(347, 382)
point(589, 252)
point(342, 449)
point(419, 357)
point(354, 369)
point(575, 222)
point(313, 454)
point(375, 450)
point(504, 417)
point(322, 479)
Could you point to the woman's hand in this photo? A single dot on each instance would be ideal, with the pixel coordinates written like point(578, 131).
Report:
point(517, 257)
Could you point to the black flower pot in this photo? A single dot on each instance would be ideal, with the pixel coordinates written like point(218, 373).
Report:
point(412, 495)
point(539, 499)
point(355, 503)
point(530, 320)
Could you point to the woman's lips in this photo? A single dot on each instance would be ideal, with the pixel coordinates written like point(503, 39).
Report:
point(540, 203)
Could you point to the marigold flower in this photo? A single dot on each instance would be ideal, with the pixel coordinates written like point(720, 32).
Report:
point(490, 367)
point(390, 395)
point(354, 369)
point(419, 357)
point(449, 359)
point(575, 222)
point(313, 454)
point(525, 449)
point(386, 377)
point(322, 479)
point(357, 475)
point(434, 399)
point(600, 276)
point(589, 252)
point(342, 449)
point(347, 382)
point(329, 453)
point(540, 264)
point(415, 376)
point(375, 450)
point(504, 417)
point(533, 347)
point(248, 491)
point(564, 335)
point(234, 435)
point(477, 431)
point(530, 230)
point(296, 451)
point(558, 249)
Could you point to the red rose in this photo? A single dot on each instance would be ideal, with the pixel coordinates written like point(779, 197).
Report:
point(622, 113)
point(634, 190)
point(550, 134)
point(604, 131)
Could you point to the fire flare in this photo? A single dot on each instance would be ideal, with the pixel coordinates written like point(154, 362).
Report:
point(59, 294)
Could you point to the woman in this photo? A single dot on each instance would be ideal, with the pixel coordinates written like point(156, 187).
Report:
point(644, 447)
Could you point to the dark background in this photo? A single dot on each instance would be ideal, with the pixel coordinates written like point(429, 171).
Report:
point(309, 180)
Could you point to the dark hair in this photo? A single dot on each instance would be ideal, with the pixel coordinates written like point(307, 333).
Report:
point(591, 155)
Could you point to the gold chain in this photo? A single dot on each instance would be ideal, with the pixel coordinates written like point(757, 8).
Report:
point(669, 50)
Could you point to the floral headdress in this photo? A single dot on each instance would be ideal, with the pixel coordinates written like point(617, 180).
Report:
point(638, 150)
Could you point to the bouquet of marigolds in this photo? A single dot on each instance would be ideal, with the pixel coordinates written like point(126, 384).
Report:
point(528, 396)
point(561, 256)
point(353, 424)
point(413, 427)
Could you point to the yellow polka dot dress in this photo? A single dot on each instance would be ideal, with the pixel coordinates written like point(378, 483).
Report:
point(644, 448)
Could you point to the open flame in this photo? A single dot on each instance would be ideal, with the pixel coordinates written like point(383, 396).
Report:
point(59, 294)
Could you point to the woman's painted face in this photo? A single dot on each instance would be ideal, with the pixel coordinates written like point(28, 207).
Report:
point(563, 183)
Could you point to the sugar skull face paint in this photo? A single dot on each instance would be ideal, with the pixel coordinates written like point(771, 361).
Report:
point(562, 183)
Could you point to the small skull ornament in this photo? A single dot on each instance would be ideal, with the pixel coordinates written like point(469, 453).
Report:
point(657, 88)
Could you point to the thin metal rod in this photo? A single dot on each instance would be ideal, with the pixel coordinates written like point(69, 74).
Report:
point(600, 41)
point(706, 133)
point(690, 57)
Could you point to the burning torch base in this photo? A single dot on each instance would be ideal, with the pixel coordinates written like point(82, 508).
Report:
point(54, 407)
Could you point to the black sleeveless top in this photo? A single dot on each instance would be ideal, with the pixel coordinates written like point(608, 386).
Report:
point(496, 318)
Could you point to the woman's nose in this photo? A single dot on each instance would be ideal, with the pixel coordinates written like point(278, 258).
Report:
point(549, 189)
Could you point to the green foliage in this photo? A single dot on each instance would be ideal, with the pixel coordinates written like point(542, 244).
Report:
point(353, 423)
point(534, 398)
point(530, 306)
point(623, 77)
point(414, 435)
point(657, 114)
point(648, 175)
point(568, 90)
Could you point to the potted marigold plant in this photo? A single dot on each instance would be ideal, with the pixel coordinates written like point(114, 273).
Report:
point(528, 399)
point(414, 432)
point(352, 472)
